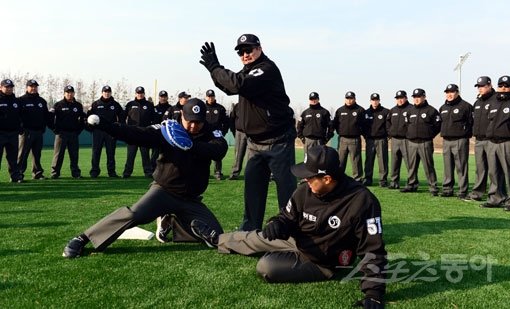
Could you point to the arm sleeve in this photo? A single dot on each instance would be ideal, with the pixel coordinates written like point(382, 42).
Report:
point(215, 149)
point(300, 126)
point(134, 135)
point(436, 122)
point(224, 122)
point(336, 122)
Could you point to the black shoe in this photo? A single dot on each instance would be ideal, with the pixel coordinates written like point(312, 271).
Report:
point(113, 176)
point(233, 177)
point(366, 182)
point(434, 193)
point(393, 186)
point(489, 205)
point(475, 198)
point(164, 228)
point(383, 184)
point(408, 189)
point(93, 176)
point(77, 177)
point(74, 248)
point(55, 176)
point(126, 176)
point(39, 177)
point(506, 208)
point(446, 194)
point(204, 232)
point(464, 197)
point(218, 176)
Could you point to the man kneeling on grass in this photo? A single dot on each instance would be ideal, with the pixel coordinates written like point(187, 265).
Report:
point(181, 176)
point(327, 223)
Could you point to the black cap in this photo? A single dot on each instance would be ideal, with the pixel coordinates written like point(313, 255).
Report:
point(194, 110)
point(313, 96)
point(183, 95)
point(375, 96)
point(163, 93)
point(7, 83)
point(319, 160)
point(32, 82)
point(247, 39)
point(400, 94)
point(483, 81)
point(418, 92)
point(140, 89)
point(209, 93)
point(350, 95)
point(504, 80)
point(452, 88)
point(106, 89)
point(68, 88)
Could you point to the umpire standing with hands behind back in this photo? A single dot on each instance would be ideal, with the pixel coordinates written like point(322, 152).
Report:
point(267, 120)
point(110, 110)
point(10, 127)
point(216, 117)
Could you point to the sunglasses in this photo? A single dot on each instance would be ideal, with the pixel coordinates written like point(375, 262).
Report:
point(504, 86)
point(244, 50)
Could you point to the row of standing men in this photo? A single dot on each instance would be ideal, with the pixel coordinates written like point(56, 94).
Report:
point(412, 128)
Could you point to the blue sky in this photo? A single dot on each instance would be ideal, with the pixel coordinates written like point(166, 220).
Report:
point(326, 46)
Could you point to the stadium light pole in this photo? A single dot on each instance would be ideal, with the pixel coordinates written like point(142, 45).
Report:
point(458, 67)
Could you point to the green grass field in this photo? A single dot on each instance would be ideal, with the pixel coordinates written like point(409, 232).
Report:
point(443, 252)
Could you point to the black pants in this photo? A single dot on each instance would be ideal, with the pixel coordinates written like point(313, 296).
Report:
point(240, 151)
point(156, 202)
point(31, 142)
point(100, 139)
point(130, 161)
point(65, 140)
point(9, 141)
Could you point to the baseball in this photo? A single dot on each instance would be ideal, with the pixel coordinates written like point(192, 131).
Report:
point(93, 119)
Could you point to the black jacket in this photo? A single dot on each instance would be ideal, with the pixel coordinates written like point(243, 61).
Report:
point(315, 123)
point(183, 173)
point(160, 111)
point(331, 230)
point(216, 117)
point(34, 112)
point(349, 120)
point(375, 122)
point(264, 110)
point(456, 119)
point(139, 113)
point(498, 129)
point(234, 119)
point(108, 109)
point(67, 117)
point(173, 112)
point(423, 123)
point(396, 124)
point(10, 113)
point(481, 114)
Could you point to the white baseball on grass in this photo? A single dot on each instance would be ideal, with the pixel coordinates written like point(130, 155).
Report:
point(93, 119)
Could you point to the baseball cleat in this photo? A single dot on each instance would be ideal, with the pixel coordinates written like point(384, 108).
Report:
point(164, 228)
point(205, 233)
point(74, 248)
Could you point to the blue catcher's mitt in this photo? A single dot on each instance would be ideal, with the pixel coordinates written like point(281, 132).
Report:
point(175, 134)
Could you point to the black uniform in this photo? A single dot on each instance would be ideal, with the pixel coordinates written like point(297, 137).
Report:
point(314, 126)
point(173, 112)
point(35, 116)
point(456, 130)
point(480, 123)
point(268, 121)
point(68, 122)
point(111, 111)
point(10, 127)
point(179, 180)
point(423, 124)
point(159, 115)
point(396, 126)
point(138, 113)
point(376, 138)
point(348, 123)
point(326, 233)
point(216, 117)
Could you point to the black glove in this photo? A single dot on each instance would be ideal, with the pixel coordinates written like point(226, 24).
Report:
point(274, 230)
point(369, 303)
point(209, 58)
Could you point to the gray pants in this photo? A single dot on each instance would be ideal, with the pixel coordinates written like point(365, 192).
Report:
point(423, 151)
point(265, 157)
point(156, 202)
point(65, 140)
point(240, 151)
point(130, 160)
point(282, 262)
point(499, 172)
point(455, 155)
point(352, 146)
point(9, 141)
point(31, 142)
point(398, 153)
point(480, 186)
point(310, 142)
point(100, 139)
point(377, 147)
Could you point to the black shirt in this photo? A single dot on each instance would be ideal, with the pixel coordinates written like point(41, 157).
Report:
point(67, 117)
point(34, 112)
point(423, 123)
point(375, 122)
point(139, 113)
point(349, 120)
point(481, 114)
point(10, 113)
point(315, 123)
point(456, 119)
point(396, 124)
point(159, 111)
point(108, 109)
point(216, 117)
point(498, 129)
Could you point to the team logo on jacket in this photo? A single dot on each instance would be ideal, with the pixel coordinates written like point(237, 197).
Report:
point(112, 107)
point(334, 222)
point(344, 258)
point(456, 111)
point(423, 115)
point(256, 72)
point(289, 206)
point(217, 133)
point(75, 109)
point(354, 113)
point(380, 116)
point(15, 105)
point(145, 107)
point(506, 110)
point(215, 111)
point(486, 106)
point(404, 114)
point(40, 105)
point(318, 115)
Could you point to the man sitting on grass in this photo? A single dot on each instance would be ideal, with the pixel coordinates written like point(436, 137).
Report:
point(181, 176)
point(328, 221)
